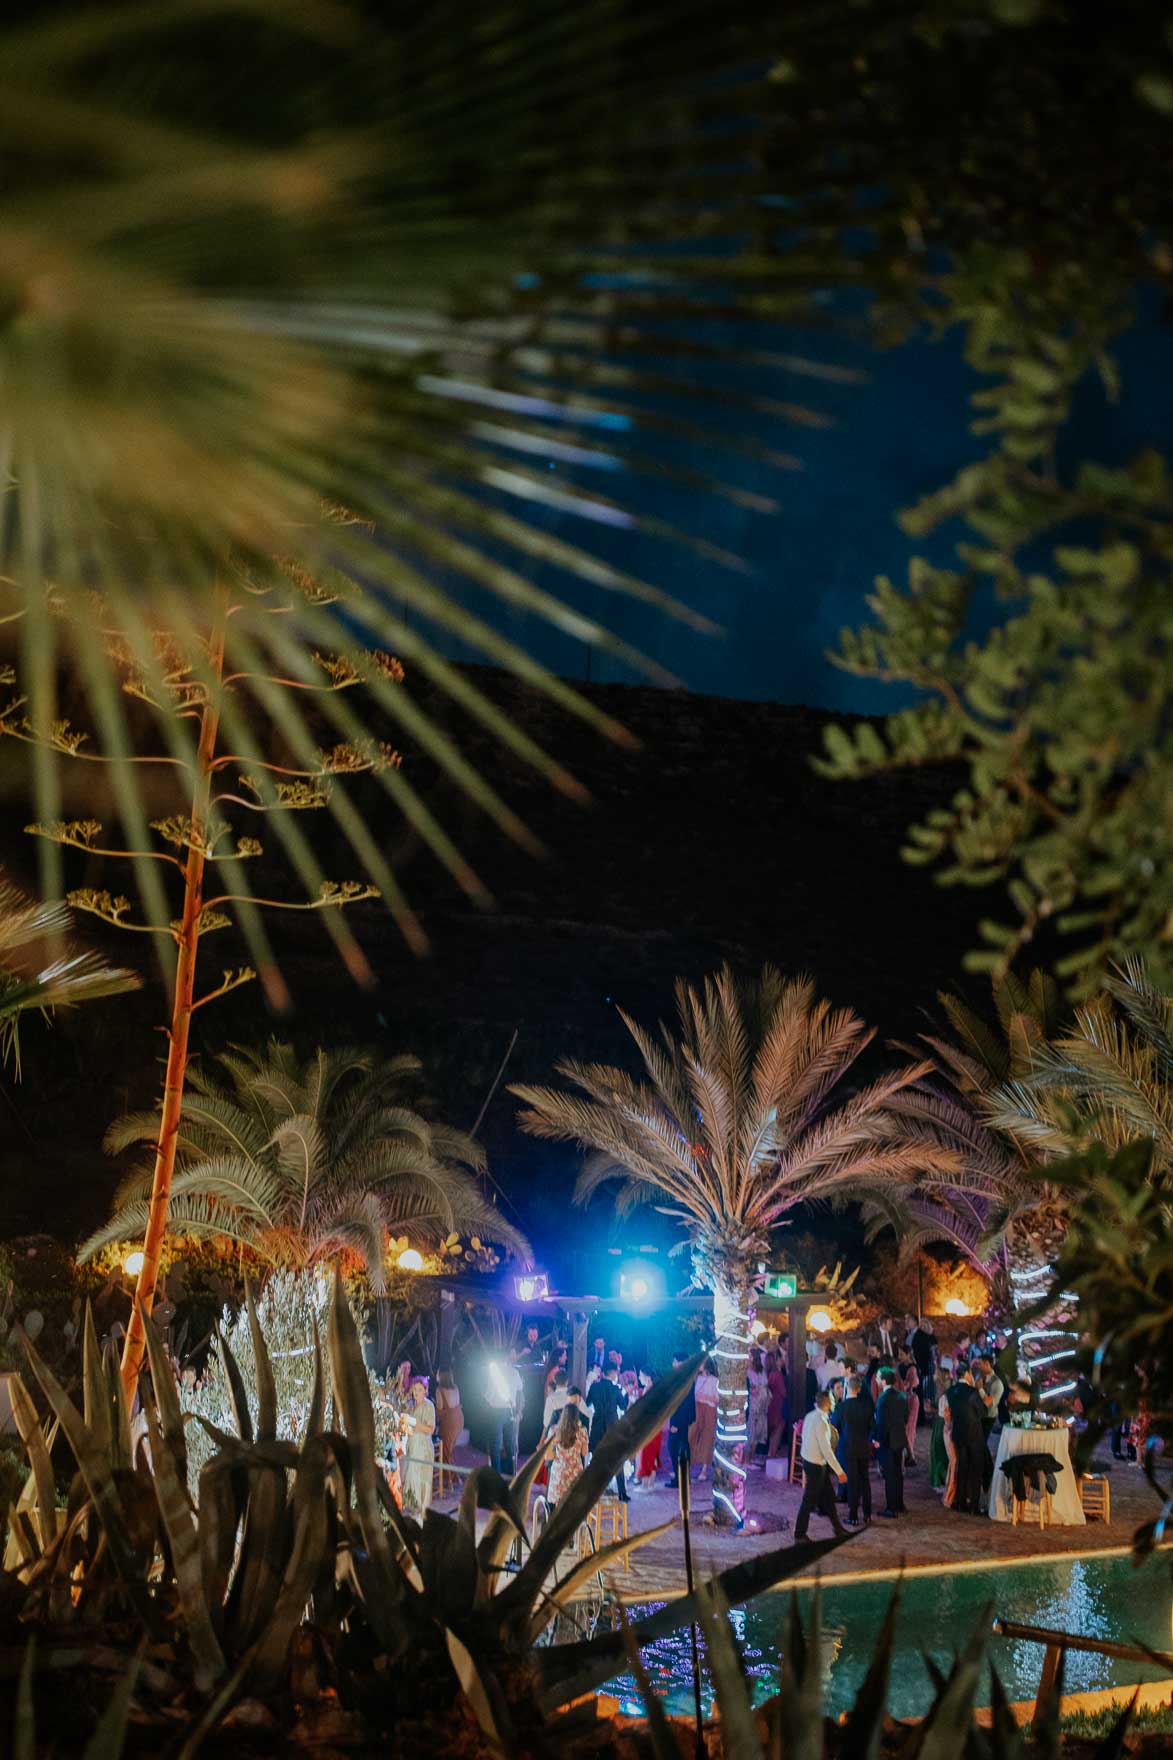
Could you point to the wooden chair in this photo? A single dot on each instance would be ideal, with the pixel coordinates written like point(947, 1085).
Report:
point(796, 1454)
point(608, 1522)
point(1095, 1494)
point(1038, 1498)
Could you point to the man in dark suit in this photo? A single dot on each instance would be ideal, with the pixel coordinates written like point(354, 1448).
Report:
point(607, 1405)
point(884, 1340)
point(679, 1425)
point(853, 1419)
point(597, 1359)
point(890, 1430)
point(969, 1442)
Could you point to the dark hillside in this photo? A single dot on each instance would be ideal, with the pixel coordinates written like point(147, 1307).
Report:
point(713, 840)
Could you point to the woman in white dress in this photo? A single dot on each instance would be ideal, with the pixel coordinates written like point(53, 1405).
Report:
point(419, 1462)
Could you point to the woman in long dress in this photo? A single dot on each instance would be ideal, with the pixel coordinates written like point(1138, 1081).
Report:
point(776, 1411)
point(648, 1463)
point(911, 1382)
point(938, 1453)
point(568, 1456)
point(702, 1432)
point(759, 1407)
point(420, 1459)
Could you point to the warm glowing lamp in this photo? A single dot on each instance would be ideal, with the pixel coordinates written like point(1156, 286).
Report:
point(955, 1305)
point(819, 1320)
point(410, 1260)
point(757, 1328)
point(133, 1263)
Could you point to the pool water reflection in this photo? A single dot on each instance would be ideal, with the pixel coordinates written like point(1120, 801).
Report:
point(1094, 1597)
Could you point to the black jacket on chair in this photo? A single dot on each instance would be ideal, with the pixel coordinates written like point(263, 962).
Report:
point(607, 1407)
point(853, 1419)
point(890, 1425)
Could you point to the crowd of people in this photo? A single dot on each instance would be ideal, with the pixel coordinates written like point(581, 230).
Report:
point(876, 1408)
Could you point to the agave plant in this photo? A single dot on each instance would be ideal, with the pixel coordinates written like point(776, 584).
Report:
point(296, 1583)
point(303, 1162)
point(738, 1117)
point(40, 971)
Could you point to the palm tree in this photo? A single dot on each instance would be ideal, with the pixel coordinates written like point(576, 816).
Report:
point(737, 1117)
point(1110, 1078)
point(997, 1208)
point(307, 1162)
point(39, 971)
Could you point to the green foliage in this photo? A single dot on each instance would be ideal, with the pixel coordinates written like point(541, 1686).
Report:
point(304, 1163)
point(1049, 683)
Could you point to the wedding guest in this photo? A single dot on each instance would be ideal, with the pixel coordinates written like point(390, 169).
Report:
point(680, 1428)
point(703, 1436)
point(648, 1463)
point(969, 1443)
point(890, 1432)
point(910, 1382)
point(853, 1420)
point(941, 1458)
point(607, 1405)
point(568, 1456)
point(419, 1461)
point(757, 1381)
point(819, 1466)
point(777, 1415)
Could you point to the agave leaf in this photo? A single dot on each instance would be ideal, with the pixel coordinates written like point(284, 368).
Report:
point(33, 1438)
point(801, 1688)
point(317, 1411)
point(381, 1582)
point(448, 1566)
point(179, 1521)
point(1005, 1736)
point(660, 1737)
point(1113, 1744)
point(94, 1466)
point(109, 1739)
point(95, 1388)
point(566, 1671)
point(266, 1386)
point(219, 1520)
point(865, 1720)
point(508, 1518)
point(121, 1443)
point(310, 1539)
point(261, 1564)
point(625, 1438)
point(739, 1736)
point(474, 1688)
point(166, 1398)
point(236, 1390)
point(23, 1539)
point(948, 1723)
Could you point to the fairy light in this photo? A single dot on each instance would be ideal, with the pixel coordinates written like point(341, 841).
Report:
point(729, 1466)
point(1055, 1357)
point(720, 1497)
point(1045, 1332)
point(1054, 1392)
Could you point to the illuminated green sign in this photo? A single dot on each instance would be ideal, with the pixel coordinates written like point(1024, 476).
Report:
point(781, 1285)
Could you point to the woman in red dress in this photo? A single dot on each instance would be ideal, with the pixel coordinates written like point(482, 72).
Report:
point(648, 1464)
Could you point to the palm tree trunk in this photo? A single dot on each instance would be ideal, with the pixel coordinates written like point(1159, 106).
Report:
point(188, 937)
point(731, 1354)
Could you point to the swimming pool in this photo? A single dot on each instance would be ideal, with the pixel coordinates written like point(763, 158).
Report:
point(1094, 1597)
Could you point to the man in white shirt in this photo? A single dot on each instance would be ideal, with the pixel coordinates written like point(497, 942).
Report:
point(818, 1465)
point(830, 1369)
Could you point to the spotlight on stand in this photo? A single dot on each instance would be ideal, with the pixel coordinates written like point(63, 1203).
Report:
point(531, 1286)
point(640, 1284)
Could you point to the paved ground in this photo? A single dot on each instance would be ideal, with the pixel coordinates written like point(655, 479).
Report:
point(927, 1537)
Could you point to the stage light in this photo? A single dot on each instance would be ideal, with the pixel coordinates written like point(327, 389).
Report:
point(532, 1286)
point(955, 1306)
point(410, 1260)
point(640, 1284)
point(133, 1263)
point(819, 1320)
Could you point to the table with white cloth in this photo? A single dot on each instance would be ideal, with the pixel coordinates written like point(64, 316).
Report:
point(1066, 1508)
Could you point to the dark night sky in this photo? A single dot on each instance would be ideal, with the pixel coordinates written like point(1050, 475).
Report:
point(896, 436)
